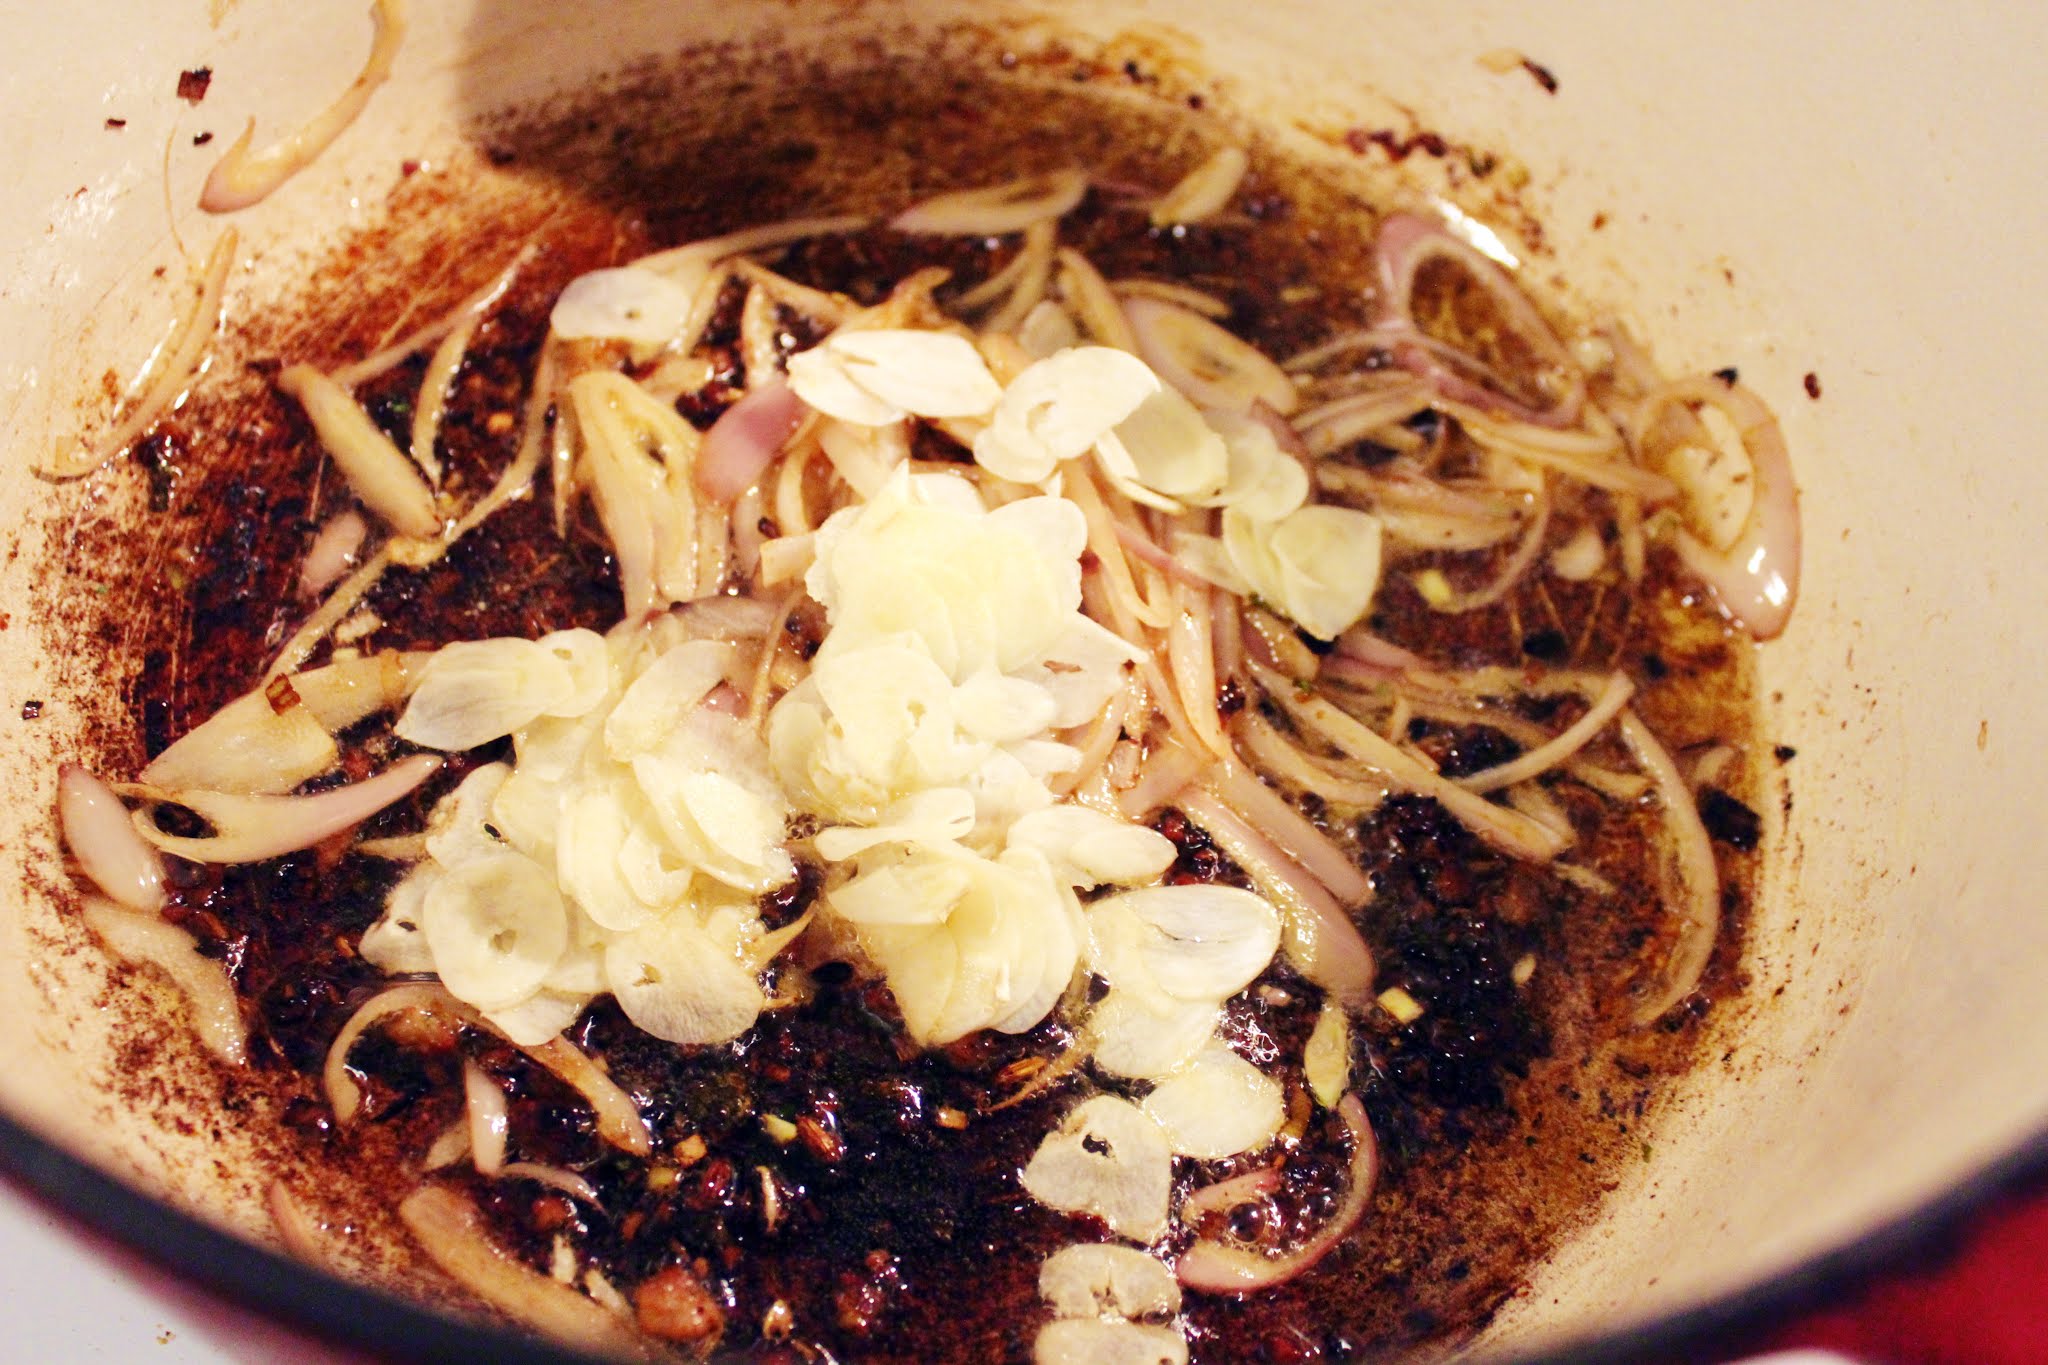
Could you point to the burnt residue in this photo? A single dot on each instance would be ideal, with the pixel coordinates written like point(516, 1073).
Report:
point(193, 84)
point(877, 1215)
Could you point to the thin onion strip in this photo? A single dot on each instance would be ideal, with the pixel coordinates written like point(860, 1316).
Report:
point(170, 369)
point(241, 179)
point(1699, 882)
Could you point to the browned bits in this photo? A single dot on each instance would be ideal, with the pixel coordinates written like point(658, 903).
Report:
point(280, 693)
point(550, 1212)
point(1812, 383)
point(1019, 1071)
point(192, 85)
point(821, 1140)
point(674, 1305)
point(862, 1295)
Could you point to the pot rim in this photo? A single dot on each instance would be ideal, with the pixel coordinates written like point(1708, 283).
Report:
point(380, 1322)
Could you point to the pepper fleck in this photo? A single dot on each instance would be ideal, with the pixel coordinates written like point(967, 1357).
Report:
point(31, 709)
point(1812, 384)
point(192, 84)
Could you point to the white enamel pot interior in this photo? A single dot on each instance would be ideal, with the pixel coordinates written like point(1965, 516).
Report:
point(1794, 190)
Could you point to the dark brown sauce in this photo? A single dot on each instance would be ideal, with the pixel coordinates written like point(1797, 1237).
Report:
point(898, 1231)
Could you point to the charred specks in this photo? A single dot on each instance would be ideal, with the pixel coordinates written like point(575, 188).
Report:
point(1547, 646)
point(1784, 753)
point(1729, 375)
point(1729, 820)
point(115, 125)
point(193, 84)
point(31, 709)
point(1541, 74)
point(201, 139)
point(1397, 148)
point(1812, 383)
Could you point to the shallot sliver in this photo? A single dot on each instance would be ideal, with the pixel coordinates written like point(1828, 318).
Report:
point(101, 836)
point(249, 829)
point(1406, 243)
point(1216, 1268)
point(241, 179)
point(1755, 578)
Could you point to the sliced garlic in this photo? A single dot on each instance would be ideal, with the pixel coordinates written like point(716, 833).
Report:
point(1170, 449)
point(1194, 942)
point(926, 374)
point(1108, 1341)
point(1059, 408)
point(1094, 849)
point(676, 981)
point(625, 303)
point(475, 691)
point(496, 926)
point(1265, 482)
point(1101, 1280)
point(1319, 565)
point(1108, 1158)
point(1134, 1037)
point(676, 681)
point(1219, 1106)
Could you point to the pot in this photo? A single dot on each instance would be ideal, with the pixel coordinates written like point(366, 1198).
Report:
point(1845, 208)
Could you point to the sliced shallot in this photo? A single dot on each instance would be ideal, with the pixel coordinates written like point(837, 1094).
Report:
point(169, 370)
point(216, 1014)
point(997, 209)
point(381, 474)
point(1755, 577)
point(110, 852)
point(451, 1231)
point(745, 440)
point(1219, 1268)
point(1691, 856)
point(1408, 242)
point(489, 1118)
point(1211, 365)
point(337, 549)
point(250, 829)
point(241, 179)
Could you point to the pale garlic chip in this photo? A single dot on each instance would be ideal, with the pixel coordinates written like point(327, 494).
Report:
point(874, 377)
point(1265, 483)
point(1102, 1280)
point(475, 691)
point(1108, 1158)
point(1059, 408)
point(1218, 1106)
point(1090, 848)
point(1166, 446)
point(927, 374)
point(496, 926)
point(678, 981)
point(966, 942)
point(1318, 565)
point(975, 589)
point(624, 303)
point(1108, 1341)
point(1132, 1036)
point(1182, 943)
